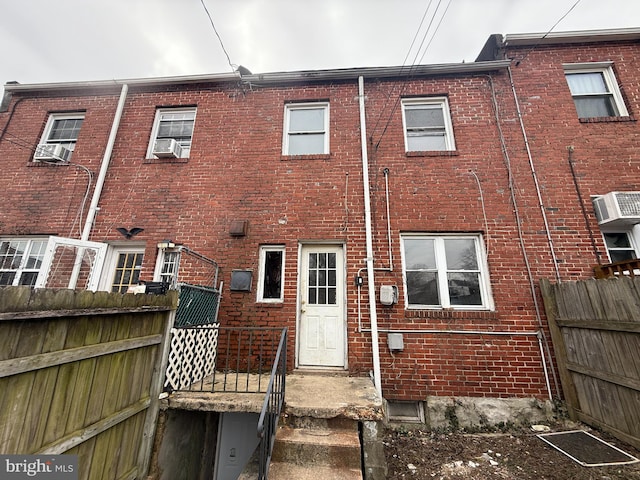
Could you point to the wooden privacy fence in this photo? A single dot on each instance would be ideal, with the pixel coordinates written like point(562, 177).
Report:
point(595, 327)
point(80, 373)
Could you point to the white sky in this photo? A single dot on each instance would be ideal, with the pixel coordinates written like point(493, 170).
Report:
point(44, 41)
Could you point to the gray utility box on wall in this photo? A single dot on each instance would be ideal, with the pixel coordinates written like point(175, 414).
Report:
point(395, 341)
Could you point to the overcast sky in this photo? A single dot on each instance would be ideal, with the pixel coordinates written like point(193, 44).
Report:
point(46, 41)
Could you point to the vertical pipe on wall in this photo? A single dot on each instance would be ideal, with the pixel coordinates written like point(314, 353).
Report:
point(369, 241)
point(104, 166)
point(97, 191)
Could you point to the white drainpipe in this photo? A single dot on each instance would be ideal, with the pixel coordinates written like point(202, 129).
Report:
point(97, 191)
point(106, 160)
point(369, 240)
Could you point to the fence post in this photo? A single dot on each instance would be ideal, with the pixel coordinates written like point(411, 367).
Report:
point(551, 309)
point(144, 454)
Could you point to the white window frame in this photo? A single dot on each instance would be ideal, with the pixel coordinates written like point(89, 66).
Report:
point(186, 146)
point(441, 271)
point(262, 273)
point(28, 254)
point(633, 234)
point(288, 108)
point(68, 143)
point(167, 257)
point(605, 68)
point(429, 102)
point(111, 263)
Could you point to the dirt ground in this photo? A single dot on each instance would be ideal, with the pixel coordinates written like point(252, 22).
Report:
point(517, 454)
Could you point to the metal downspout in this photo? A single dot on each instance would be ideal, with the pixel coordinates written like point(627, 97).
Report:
point(97, 191)
point(369, 241)
point(106, 160)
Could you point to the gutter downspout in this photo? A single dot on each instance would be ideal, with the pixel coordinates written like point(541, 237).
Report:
point(369, 241)
point(97, 191)
point(106, 160)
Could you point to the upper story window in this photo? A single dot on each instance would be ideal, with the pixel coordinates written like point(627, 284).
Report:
point(20, 260)
point(270, 285)
point(445, 271)
point(427, 125)
point(59, 138)
point(594, 90)
point(172, 133)
point(306, 129)
point(620, 246)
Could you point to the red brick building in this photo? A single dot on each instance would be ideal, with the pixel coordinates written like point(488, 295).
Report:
point(410, 208)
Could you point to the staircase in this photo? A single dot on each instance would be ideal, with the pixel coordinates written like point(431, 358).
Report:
point(317, 448)
point(329, 429)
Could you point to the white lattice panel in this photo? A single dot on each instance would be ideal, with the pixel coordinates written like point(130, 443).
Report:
point(192, 356)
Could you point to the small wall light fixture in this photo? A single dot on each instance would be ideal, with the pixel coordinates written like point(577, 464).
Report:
point(165, 244)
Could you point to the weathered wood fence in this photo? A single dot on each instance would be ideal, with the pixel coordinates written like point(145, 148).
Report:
point(595, 327)
point(80, 373)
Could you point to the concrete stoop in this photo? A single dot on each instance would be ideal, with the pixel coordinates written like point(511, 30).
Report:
point(316, 448)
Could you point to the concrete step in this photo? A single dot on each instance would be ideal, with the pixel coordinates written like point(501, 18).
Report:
point(289, 471)
point(310, 422)
point(318, 447)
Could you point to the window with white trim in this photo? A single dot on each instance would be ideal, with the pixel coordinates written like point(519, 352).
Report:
point(445, 271)
point(59, 137)
point(167, 267)
point(20, 260)
point(595, 90)
point(172, 133)
point(270, 284)
point(306, 127)
point(620, 246)
point(122, 268)
point(427, 125)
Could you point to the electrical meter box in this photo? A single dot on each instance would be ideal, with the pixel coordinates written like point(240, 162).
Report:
point(395, 341)
point(388, 294)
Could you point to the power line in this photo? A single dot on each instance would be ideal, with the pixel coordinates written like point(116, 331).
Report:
point(217, 35)
point(546, 34)
point(413, 64)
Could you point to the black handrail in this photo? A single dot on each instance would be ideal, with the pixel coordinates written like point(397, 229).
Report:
point(272, 407)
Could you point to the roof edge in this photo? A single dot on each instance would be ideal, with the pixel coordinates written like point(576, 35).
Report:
point(270, 78)
point(577, 36)
point(96, 84)
point(375, 72)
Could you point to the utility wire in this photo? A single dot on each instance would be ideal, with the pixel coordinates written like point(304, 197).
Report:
point(547, 34)
point(217, 35)
point(404, 62)
point(435, 31)
point(413, 64)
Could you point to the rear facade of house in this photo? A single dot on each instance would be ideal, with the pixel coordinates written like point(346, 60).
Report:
point(397, 220)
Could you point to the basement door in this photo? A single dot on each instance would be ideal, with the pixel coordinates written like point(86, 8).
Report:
point(321, 328)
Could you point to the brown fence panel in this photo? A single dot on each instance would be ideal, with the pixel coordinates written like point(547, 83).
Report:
point(595, 327)
point(80, 373)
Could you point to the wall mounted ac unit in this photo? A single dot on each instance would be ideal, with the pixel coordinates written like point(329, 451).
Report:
point(52, 152)
point(618, 208)
point(167, 148)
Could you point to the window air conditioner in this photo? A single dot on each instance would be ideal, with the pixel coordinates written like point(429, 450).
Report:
point(52, 152)
point(167, 148)
point(618, 208)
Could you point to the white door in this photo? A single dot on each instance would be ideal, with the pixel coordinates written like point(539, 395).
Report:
point(321, 332)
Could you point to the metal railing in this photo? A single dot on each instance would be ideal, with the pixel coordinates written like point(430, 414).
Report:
point(272, 406)
point(237, 360)
point(626, 267)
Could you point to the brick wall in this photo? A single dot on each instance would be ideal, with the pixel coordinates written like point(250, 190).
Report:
point(236, 171)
